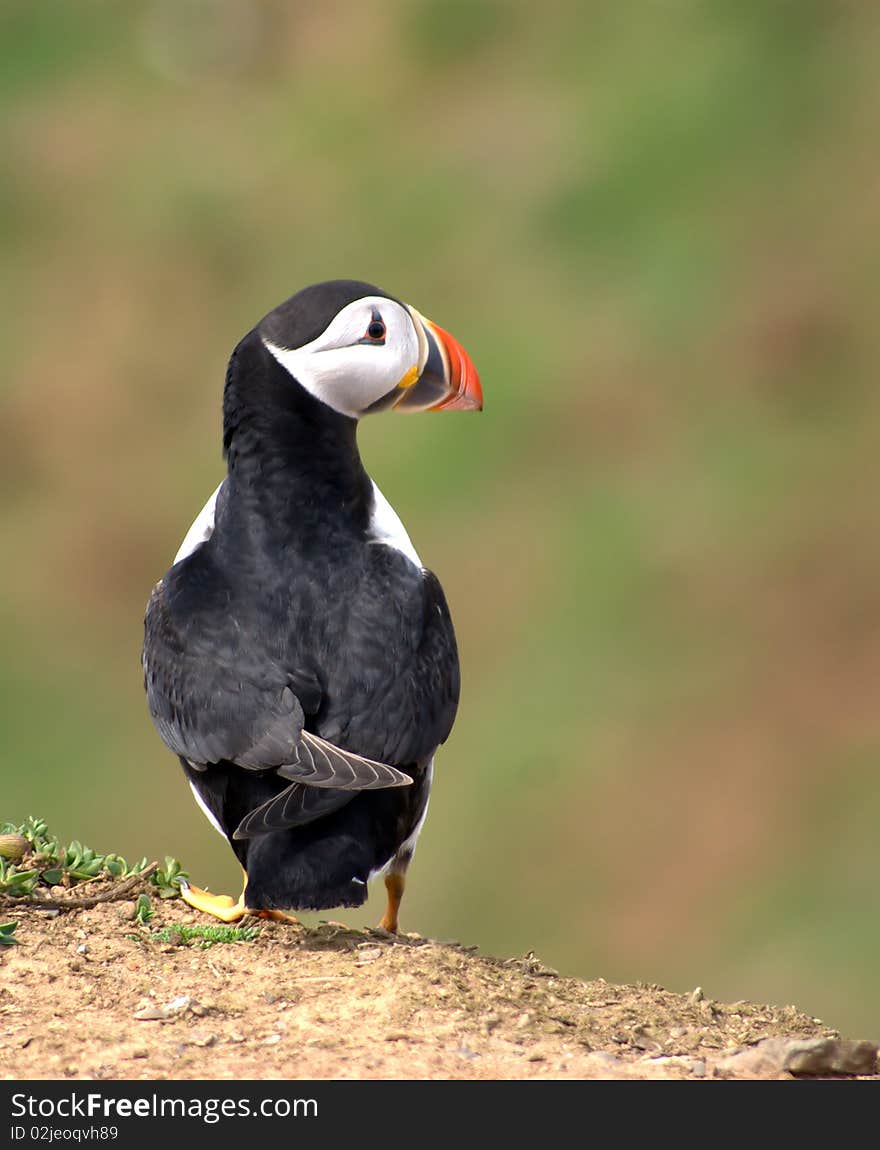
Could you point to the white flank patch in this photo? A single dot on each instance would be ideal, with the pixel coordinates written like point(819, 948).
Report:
point(385, 527)
point(207, 813)
point(408, 846)
point(201, 530)
point(410, 843)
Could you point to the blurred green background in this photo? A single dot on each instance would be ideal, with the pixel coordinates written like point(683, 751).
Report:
point(654, 227)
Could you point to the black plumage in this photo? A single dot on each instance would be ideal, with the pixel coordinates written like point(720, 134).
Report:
point(303, 673)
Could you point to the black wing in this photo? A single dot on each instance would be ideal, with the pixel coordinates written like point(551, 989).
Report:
point(207, 697)
point(213, 698)
point(401, 717)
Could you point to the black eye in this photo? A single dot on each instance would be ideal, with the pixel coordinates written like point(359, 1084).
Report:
point(375, 333)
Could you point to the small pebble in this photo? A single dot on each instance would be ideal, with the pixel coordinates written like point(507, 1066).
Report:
point(152, 1014)
point(178, 1005)
point(366, 954)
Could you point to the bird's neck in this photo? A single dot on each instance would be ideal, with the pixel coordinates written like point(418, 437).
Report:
point(294, 464)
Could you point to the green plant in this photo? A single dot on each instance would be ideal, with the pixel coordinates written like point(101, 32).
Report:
point(6, 931)
point(35, 857)
point(205, 936)
point(143, 911)
point(167, 879)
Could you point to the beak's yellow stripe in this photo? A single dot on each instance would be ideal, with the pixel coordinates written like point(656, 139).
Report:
point(410, 378)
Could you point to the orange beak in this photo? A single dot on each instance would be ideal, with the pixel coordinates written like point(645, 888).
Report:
point(448, 381)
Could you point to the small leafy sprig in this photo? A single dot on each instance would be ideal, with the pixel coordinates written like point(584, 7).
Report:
point(168, 878)
point(203, 937)
point(7, 929)
point(31, 857)
point(143, 911)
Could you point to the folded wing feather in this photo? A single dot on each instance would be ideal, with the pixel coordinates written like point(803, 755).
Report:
point(295, 806)
point(321, 764)
point(325, 779)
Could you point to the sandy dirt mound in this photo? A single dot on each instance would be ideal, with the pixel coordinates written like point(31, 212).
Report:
point(92, 994)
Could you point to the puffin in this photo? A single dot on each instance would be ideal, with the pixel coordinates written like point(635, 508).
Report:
point(298, 658)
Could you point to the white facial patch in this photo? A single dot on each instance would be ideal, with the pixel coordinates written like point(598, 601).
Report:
point(347, 370)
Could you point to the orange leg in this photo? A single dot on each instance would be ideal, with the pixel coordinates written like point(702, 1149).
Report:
point(394, 884)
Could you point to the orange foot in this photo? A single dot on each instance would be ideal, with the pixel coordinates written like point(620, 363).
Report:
point(276, 915)
point(223, 907)
point(219, 905)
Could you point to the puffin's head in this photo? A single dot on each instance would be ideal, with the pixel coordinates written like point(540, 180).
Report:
point(359, 350)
